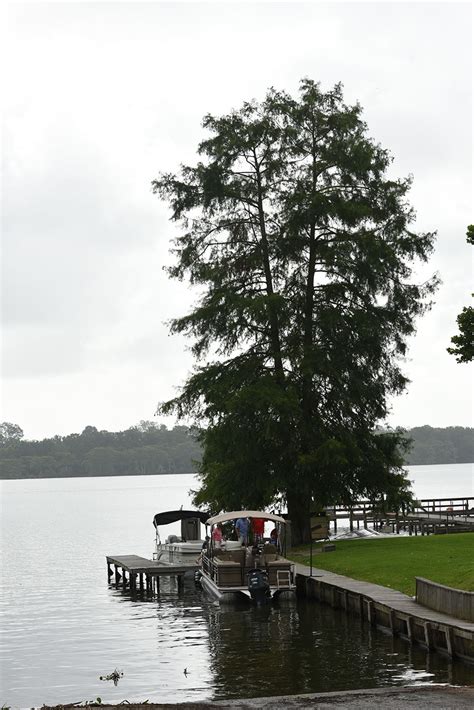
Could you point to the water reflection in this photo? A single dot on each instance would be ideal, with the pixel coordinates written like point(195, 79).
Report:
point(300, 647)
point(63, 626)
point(288, 647)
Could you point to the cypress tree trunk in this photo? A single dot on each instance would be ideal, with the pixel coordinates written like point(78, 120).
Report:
point(272, 313)
point(299, 508)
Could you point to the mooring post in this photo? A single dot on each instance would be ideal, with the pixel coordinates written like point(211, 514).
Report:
point(428, 639)
point(370, 612)
point(124, 578)
point(392, 621)
point(449, 640)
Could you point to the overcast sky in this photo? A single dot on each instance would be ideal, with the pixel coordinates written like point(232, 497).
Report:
point(102, 97)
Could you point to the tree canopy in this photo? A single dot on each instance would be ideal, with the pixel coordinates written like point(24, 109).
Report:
point(464, 342)
point(9, 434)
point(302, 245)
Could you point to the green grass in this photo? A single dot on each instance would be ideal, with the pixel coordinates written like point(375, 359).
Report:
point(395, 562)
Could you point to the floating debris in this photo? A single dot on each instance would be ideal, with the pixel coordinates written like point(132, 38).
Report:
point(115, 676)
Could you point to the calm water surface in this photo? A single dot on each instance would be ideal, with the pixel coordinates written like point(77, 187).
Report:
point(63, 626)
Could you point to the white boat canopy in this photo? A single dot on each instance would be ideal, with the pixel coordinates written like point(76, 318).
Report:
point(234, 514)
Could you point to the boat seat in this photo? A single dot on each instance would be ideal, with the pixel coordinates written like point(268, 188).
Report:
point(269, 549)
point(228, 572)
point(232, 556)
point(267, 559)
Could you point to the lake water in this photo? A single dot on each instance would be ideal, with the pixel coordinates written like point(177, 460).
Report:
point(63, 626)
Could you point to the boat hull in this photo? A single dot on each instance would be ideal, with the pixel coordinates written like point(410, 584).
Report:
point(232, 594)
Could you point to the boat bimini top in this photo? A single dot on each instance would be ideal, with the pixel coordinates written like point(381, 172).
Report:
point(172, 516)
point(234, 514)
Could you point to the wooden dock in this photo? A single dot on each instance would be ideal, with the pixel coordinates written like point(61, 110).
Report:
point(142, 573)
point(389, 610)
point(428, 515)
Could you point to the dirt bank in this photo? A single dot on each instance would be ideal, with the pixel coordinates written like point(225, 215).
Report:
point(429, 697)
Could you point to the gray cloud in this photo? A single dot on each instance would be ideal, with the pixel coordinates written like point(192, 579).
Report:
point(102, 97)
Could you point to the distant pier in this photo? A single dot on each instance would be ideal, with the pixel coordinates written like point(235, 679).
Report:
point(428, 515)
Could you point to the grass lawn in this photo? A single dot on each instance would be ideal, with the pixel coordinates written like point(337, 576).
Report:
point(395, 562)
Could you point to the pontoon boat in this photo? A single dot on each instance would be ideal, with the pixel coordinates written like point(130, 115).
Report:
point(259, 571)
point(190, 542)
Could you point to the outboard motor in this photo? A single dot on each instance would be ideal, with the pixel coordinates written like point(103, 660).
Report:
point(197, 576)
point(258, 585)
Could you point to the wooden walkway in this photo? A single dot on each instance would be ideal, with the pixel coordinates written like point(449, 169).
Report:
point(143, 573)
point(429, 515)
point(443, 518)
point(389, 609)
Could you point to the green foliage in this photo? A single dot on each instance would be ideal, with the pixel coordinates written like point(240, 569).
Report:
point(430, 445)
point(395, 562)
point(86, 703)
point(10, 434)
point(141, 450)
point(303, 246)
point(463, 343)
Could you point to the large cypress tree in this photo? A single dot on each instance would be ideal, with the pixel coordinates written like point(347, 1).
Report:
point(302, 245)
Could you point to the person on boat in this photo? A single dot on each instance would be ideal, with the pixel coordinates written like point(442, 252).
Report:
point(274, 537)
point(217, 536)
point(258, 526)
point(242, 529)
point(204, 550)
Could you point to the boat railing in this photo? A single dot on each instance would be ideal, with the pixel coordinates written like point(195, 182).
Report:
point(232, 570)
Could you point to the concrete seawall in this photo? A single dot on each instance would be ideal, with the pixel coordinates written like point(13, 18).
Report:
point(389, 609)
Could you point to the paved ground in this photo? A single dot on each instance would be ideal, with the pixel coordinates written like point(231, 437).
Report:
point(432, 698)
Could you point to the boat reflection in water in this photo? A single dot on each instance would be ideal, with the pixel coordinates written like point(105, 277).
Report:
point(259, 572)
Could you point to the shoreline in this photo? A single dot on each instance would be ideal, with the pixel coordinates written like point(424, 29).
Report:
point(431, 697)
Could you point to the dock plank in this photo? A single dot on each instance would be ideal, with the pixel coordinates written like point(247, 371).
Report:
point(141, 565)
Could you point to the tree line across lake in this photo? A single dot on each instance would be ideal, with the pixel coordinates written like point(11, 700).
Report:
point(149, 448)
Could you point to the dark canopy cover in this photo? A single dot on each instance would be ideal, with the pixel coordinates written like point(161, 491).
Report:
point(171, 516)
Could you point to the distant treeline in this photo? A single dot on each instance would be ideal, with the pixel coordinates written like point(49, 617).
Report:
point(141, 450)
point(455, 444)
point(150, 449)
